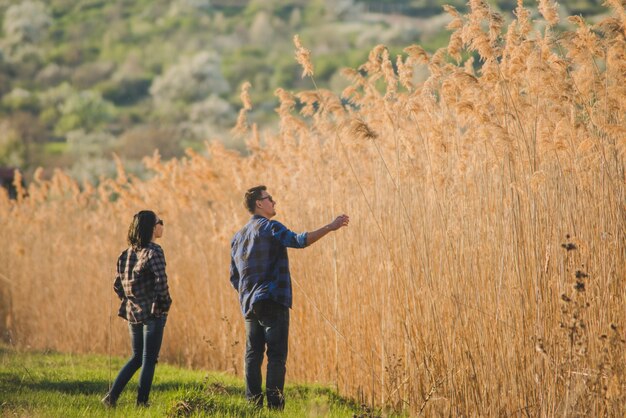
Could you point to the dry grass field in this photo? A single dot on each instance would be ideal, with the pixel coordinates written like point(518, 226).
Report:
point(484, 268)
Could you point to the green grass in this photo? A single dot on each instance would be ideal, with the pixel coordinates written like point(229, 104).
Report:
point(35, 384)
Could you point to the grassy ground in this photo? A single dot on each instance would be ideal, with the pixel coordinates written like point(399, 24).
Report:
point(54, 385)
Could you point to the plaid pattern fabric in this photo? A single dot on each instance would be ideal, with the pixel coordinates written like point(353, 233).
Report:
point(141, 281)
point(259, 267)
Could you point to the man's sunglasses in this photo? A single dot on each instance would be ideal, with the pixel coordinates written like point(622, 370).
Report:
point(267, 197)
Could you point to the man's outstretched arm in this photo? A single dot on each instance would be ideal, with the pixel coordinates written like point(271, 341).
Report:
point(339, 222)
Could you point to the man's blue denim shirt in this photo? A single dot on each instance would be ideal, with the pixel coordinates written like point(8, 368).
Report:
point(259, 266)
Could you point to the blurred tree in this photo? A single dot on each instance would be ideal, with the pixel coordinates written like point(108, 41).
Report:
point(342, 9)
point(261, 31)
point(26, 22)
point(143, 140)
point(213, 110)
point(31, 133)
point(6, 70)
point(213, 116)
point(11, 146)
point(314, 12)
point(85, 110)
point(255, 6)
point(52, 75)
point(91, 152)
point(182, 7)
point(190, 80)
point(126, 91)
point(91, 73)
point(50, 102)
point(220, 23)
point(25, 27)
point(20, 133)
point(19, 100)
point(295, 18)
point(89, 144)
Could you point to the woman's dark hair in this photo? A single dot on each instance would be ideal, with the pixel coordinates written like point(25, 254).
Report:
point(141, 229)
point(252, 195)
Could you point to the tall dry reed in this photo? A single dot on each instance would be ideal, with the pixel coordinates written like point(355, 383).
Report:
point(484, 269)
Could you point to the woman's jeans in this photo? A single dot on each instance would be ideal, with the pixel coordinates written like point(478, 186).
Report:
point(146, 341)
point(268, 323)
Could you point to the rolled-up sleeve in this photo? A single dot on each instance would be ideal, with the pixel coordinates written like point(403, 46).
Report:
point(287, 237)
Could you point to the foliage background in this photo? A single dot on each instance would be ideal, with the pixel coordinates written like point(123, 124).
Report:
point(82, 79)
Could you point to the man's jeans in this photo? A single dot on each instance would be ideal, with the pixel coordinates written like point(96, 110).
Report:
point(268, 323)
point(146, 341)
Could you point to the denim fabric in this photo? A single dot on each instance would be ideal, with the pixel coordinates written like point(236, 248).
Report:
point(146, 341)
point(266, 325)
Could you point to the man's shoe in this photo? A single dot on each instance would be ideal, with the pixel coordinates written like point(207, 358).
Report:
point(256, 401)
point(107, 401)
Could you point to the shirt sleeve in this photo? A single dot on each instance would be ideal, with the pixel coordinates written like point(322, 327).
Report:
point(156, 264)
point(117, 285)
point(234, 272)
point(287, 237)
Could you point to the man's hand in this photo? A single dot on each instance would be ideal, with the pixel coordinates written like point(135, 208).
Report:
point(340, 221)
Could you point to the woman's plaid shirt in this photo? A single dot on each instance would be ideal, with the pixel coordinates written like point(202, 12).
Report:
point(141, 282)
point(259, 267)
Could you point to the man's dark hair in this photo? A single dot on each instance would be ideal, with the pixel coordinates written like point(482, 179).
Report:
point(141, 229)
point(252, 195)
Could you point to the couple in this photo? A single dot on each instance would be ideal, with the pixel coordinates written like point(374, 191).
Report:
point(259, 271)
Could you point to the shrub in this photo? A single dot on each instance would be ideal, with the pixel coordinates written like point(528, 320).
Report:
point(192, 79)
point(126, 91)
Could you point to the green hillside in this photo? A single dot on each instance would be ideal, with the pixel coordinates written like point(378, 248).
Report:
point(80, 79)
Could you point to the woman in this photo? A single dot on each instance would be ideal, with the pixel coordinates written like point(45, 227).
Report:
point(141, 284)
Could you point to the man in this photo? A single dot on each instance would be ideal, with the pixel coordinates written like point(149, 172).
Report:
point(259, 271)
